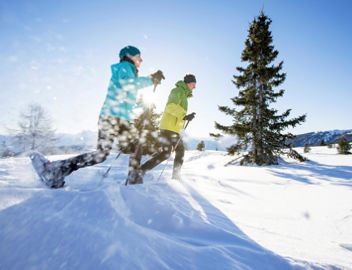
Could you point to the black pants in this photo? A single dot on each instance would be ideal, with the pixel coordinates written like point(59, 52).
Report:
point(168, 140)
point(110, 128)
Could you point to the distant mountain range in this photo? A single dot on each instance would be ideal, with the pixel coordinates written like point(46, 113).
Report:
point(87, 140)
point(311, 138)
point(315, 138)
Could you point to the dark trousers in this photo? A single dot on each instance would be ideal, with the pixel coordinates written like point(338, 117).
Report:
point(168, 140)
point(110, 128)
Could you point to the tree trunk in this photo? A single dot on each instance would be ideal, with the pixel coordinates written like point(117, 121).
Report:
point(260, 151)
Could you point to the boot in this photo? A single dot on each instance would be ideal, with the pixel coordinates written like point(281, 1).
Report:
point(55, 174)
point(135, 177)
point(176, 174)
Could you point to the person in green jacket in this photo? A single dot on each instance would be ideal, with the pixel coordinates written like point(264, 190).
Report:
point(172, 123)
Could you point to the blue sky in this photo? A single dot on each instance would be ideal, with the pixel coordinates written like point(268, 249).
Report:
point(58, 54)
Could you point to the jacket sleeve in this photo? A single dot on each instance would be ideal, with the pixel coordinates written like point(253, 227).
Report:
point(129, 81)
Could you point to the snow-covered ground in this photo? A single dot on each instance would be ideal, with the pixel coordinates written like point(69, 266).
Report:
point(292, 216)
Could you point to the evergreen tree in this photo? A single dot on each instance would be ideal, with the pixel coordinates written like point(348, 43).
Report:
point(201, 146)
point(147, 124)
point(322, 143)
point(343, 146)
point(258, 127)
point(306, 148)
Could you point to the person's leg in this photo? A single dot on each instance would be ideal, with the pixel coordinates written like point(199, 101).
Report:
point(107, 132)
point(180, 152)
point(136, 151)
point(166, 141)
point(135, 175)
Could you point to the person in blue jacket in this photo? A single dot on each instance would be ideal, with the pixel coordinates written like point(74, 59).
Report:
point(115, 120)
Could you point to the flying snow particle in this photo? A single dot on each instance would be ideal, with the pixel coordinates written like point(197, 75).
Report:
point(306, 215)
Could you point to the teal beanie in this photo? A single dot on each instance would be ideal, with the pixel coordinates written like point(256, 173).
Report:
point(129, 51)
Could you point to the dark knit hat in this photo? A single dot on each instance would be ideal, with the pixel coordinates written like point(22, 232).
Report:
point(189, 78)
point(129, 51)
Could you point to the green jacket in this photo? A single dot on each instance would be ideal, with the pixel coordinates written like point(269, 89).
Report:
point(176, 108)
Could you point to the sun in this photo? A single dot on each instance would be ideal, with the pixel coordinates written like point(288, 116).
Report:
point(149, 97)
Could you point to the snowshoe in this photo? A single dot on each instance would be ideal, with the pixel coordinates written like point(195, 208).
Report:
point(46, 174)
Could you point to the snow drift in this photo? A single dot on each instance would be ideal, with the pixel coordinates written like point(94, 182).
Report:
point(292, 216)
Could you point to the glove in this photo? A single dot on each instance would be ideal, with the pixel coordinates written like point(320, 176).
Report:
point(189, 117)
point(157, 77)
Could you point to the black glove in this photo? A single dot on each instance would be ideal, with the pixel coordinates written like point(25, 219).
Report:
point(157, 77)
point(189, 117)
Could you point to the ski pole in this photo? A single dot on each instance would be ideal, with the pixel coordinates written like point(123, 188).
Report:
point(177, 143)
point(108, 170)
point(179, 139)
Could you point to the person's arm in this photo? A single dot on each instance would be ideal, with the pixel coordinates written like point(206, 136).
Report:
point(129, 81)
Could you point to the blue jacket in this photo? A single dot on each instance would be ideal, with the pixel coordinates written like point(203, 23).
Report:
point(122, 91)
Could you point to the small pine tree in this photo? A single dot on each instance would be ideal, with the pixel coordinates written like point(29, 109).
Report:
point(201, 146)
point(306, 148)
point(147, 125)
point(343, 146)
point(322, 143)
point(258, 127)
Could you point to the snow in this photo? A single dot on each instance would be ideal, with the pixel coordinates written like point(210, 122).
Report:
point(291, 216)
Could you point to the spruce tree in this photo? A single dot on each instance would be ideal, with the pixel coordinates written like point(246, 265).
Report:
point(147, 124)
point(322, 143)
point(343, 146)
point(200, 146)
point(258, 127)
